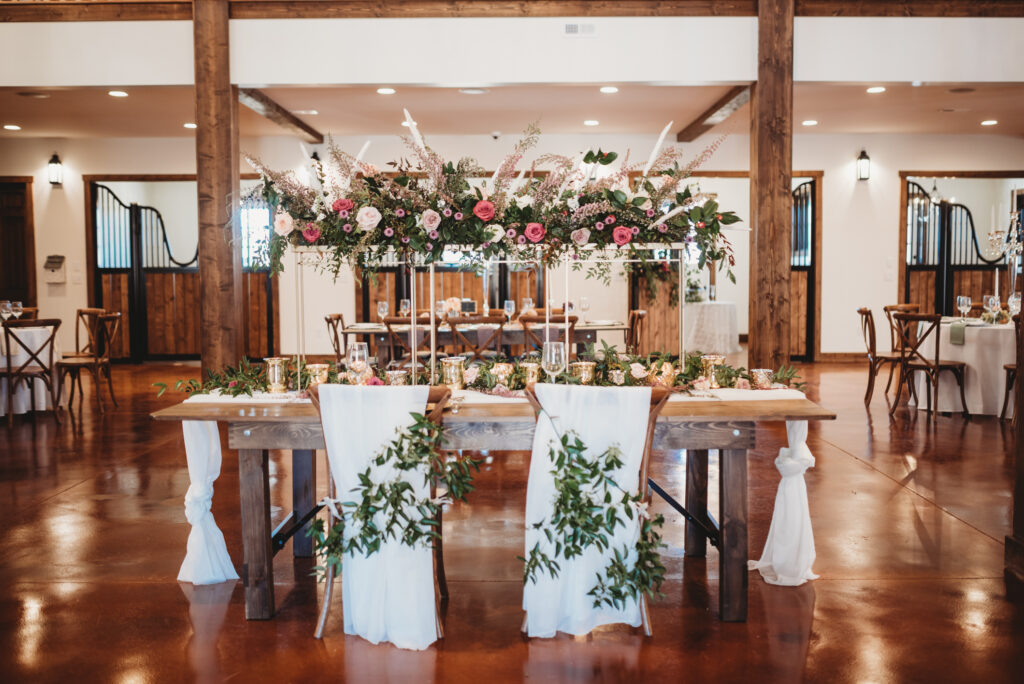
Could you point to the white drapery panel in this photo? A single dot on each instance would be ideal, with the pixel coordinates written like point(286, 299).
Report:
point(206, 558)
point(388, 596)
point(789, 550)
point(602, 417)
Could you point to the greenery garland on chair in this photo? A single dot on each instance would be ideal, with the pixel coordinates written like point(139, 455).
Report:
point(588, 508)
point(412, 520)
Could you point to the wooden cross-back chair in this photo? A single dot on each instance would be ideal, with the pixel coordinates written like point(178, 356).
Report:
point(29, 313)
point(38, 364)
point(399, 339)
point(87, 319)
point(533, 331)
point(1010, 370)
point(659, 397)
point(914, 329)
point(894, 336)
point(339, 340)
point(463, 337)
point(97, 364)
point(876, 359)
point(635, 331)
point(437, 397)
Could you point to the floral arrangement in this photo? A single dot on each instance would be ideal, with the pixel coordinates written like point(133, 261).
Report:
point(424, 205)
point(1000, 318)
point(247, 378)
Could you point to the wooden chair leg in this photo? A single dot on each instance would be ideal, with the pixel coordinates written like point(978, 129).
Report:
point(872, 370)
point(110, 384)
point(95, 373)
point(959, 372)
point(645, 616)
point(442, 580)
point(892, 372)
point(10, 402)
point(899, 391)
point(329, 576)
point(1011, 378)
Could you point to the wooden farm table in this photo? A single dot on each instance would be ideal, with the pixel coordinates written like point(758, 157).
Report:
point(728, 426)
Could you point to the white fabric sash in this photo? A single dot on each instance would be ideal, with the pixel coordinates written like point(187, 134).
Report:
point(389, 595)
point(789, 550)
point(602, 417)
point(206, 557)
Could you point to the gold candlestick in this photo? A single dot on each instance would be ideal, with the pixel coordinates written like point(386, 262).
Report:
point(532, 372)
point(762, 378)
point(275, 374)
point(502, 372)
point(318, 373)
point(584, 370)
point(708, 363)
point(397, 377)
point(452, 372)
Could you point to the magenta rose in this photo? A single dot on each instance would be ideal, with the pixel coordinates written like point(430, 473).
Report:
point(621, 235)
point(484, 210)
point(311, 233)
point(534, 232)
point(343, 204)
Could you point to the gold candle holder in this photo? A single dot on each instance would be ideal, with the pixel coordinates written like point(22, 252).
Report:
point(275, 374)
point(762, 378)
point(617, 376)
point(708, 363)
point(452, 370)
point(584, 370)
point(502, 372)
point(397, 377)
point(532, 372)
point(665, 377)
point(318, 373)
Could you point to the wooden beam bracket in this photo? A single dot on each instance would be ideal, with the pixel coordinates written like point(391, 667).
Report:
point(262, 104)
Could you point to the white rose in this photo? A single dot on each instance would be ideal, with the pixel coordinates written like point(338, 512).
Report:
point(573, 203)
point(496, 232)
point(368, 218)
point(637, 371)
point(284, 224)
point(523, 201)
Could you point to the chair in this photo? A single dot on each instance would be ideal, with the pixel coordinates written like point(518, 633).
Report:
point(533, 330)
point(109, 325)
point(337, 431)
point(599, 426)
point(462, 336)
point(1011, 372)
point(635, 331)
point(894, 337)
point(29, 313)
point(87, 319)
point(400, 338)
point(876, 359)
point(38, 364)
point(339, 340)
point(912, 337)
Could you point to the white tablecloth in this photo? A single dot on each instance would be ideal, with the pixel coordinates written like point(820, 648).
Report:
point(711, 327)
point(33, 337)
point(986, 348)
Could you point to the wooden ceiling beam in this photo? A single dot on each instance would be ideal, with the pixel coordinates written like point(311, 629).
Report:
point(95, 10)
point(721, 110)
point(262, 104)
point(909, 8)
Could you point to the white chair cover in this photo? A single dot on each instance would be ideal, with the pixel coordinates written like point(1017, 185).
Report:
point(206, 558)
point(602, 417)
point(389, 595)
point(789, 550)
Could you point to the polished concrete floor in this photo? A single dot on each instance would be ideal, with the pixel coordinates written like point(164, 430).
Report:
point(909, 517)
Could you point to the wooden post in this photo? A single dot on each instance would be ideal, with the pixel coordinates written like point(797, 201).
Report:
point(257, 554)
point(771, 199)
point(303, 498)
point(217, 179)
point(732, 548)
point(1014, 558)
point(696, 542)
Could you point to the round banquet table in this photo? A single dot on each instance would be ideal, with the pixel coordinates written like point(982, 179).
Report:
point(22, 402)
point(711, 327)
point(985, 349)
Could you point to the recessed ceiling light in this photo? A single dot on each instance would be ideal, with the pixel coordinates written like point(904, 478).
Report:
point(305, 112)
point(190, 125)
point(472, 91)
point(117, 93)
point(609, 89)
point(385, 91)
point(989, 122)
point(591, 122)
point(876, 89)
point(406, 123)
point(12, 127)
point(809, 122)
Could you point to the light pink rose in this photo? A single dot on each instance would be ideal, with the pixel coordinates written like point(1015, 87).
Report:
point(742, 383)
point(284, 224)
point(580, 236)
point(469, 375)
point(431, 219)
point(534, 232)
point(368, 218)
point(638, 371)
point(701, 384)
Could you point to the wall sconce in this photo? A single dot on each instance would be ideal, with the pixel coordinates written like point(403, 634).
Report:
point(863, 166)
point(55, 171)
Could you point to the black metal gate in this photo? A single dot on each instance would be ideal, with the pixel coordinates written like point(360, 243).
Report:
point(802, 268)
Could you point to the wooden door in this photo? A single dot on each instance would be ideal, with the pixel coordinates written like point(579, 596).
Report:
point(18, 254)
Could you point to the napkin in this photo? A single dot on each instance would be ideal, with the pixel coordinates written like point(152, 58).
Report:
point(956, 332)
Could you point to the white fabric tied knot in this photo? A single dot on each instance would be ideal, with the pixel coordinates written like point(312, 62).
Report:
point(789, 550)
point(198, 501)
point(332, 506)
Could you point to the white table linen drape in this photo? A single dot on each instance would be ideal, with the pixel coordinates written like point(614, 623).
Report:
point(602, 417)
point(389, 595)
point(789, 550)
point(22, 401)
point(985, 349)
point(712, 327)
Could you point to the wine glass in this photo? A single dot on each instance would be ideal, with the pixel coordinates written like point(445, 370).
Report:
point(992, 304)
point(963, 305)
point(404, 307)
point(5, 309)
point(584, 307)
point(439, 308)
point(510, 308)
point(553, 361)
point(16, 309)
point(1014, 303)
point(382, 309)
point(358, 360)
point(527, 304)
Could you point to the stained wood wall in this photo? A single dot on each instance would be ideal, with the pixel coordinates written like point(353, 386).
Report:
point(975, 283)
point(798, 294)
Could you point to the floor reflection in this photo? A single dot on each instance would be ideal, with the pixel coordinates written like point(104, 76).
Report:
point(387, 664)
point(789, 613)
point(607, 654)
point(207, 607)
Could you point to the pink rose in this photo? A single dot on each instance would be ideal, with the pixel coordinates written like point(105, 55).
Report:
point(312, 233)
point(742, 383)
point(534, 232)
point(430, 219)
point(284, 224)
point(374, 380)
point(343, 204)
point(580, 236)
point(233, 383)
point(484, 210)
point(469, 375)
point(621, 235)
